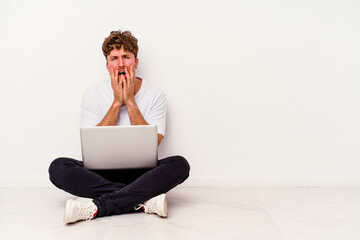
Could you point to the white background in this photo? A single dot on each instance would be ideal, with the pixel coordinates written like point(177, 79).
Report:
point(259, 92)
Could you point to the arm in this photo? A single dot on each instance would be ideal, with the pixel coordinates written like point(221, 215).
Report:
point(137, 119)
point(112, 115)
point(135, 115)
point(160, 138)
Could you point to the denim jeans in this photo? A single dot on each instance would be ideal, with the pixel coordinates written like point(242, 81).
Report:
point(118, 191)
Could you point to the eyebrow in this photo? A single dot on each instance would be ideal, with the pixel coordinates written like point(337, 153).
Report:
point(125, 55)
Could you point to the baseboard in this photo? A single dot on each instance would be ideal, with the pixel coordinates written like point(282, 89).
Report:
point(272, 182)
point(213, 182)
point(25, 183)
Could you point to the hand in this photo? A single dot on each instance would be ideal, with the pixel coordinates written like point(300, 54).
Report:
point(129, 85)
point(117, 86)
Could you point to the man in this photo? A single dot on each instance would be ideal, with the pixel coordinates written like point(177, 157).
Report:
point(124, 99)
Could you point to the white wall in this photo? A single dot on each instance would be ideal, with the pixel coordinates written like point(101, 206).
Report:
point(264, 92)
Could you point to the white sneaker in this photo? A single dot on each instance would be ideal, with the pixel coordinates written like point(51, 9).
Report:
point(79, 209)
point(157, 205)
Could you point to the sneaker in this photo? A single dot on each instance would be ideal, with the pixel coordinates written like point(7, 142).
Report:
point(157, 205)
point(79, 209)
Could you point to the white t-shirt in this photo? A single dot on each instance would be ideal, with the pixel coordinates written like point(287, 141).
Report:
point(98, 98)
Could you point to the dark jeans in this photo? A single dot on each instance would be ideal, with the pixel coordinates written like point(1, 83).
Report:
point(118, 191)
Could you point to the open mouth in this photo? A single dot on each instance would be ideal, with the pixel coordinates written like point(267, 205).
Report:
point(122, 73)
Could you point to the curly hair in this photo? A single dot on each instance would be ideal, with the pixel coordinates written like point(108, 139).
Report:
point(118, 39)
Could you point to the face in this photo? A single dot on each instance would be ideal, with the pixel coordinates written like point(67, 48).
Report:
point(120, 59)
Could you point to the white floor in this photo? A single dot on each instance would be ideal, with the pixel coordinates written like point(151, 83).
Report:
point(194, 213)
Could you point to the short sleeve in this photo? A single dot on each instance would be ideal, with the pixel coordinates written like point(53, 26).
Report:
point(90, 115)
point(157, 115)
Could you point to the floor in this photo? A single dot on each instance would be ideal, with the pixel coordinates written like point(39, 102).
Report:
point(194, 213)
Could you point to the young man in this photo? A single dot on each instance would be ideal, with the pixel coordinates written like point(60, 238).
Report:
point(124, 99)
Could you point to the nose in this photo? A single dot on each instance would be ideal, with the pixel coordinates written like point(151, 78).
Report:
point(121, 62)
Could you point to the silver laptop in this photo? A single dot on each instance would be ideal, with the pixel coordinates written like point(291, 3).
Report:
point(119, 147)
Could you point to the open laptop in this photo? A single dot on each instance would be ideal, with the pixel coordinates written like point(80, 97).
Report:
point(119, 147)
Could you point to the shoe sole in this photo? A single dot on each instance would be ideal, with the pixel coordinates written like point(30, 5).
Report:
point(165, 213)
point(166, 209)
point(68, 210)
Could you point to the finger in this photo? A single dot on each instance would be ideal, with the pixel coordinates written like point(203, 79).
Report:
point(121, 85)
point(116, 75)
point(112, 77)
point(132, 73)
point(123, 80)
point(127, 76)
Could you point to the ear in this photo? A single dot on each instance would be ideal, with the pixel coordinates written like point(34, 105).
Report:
point(136, 63)
point(107, 66)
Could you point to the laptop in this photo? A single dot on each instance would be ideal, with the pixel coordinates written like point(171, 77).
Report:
point(119, 147)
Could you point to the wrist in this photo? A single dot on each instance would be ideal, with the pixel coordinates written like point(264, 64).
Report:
point(116, 104)
point(130, 103)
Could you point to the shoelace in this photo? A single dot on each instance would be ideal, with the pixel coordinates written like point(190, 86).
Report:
point(148, 206)
point(139, 206)
point(86, 213)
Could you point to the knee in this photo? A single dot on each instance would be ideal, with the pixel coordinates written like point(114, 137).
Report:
point(57, 170)
point(54, 170)
point(55, 166)
point(182, 167)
